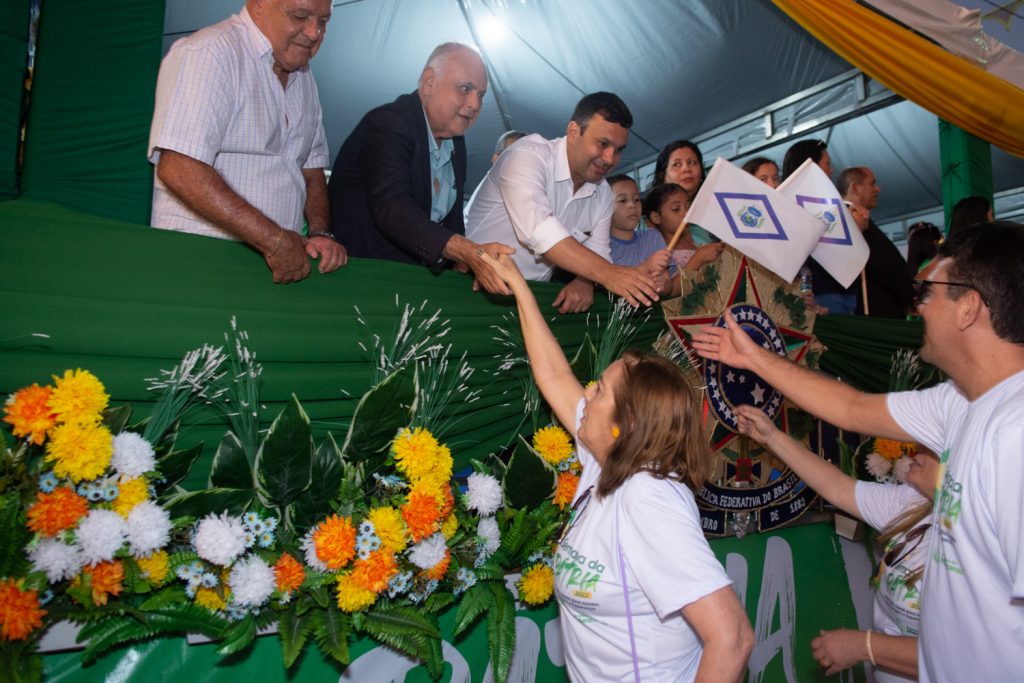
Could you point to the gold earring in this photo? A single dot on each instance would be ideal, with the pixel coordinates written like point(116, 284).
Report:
point(616, 433)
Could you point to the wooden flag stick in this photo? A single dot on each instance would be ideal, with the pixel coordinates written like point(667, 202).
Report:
point(864, 290)
point(675, 237)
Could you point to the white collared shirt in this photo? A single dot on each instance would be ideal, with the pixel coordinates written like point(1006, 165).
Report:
point(527, 202)
point(219, 101)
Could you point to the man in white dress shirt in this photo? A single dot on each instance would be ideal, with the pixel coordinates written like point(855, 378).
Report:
point(548, 200)
point(237, 137)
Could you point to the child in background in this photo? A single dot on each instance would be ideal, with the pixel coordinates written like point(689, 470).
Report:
point(667, 205)
point(630, 246)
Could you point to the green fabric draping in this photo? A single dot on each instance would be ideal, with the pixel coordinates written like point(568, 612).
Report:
point(860, 349)
point(92, 102)
point(966, 162)
point(125, 301)
point(14, 17)
point(949, 86)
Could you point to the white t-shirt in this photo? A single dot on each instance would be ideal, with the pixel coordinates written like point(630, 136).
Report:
point(897, 609)
point(668, 565)
point(972, 613)
point(527, 201)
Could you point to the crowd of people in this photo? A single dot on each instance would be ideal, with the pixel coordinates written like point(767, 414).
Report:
point(240, 153)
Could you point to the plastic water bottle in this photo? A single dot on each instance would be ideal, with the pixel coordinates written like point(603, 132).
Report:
point(806, 280)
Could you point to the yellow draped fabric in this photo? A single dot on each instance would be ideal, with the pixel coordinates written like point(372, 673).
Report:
point(922, 72)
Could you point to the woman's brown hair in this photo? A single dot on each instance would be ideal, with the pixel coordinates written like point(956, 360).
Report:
point(661, 431)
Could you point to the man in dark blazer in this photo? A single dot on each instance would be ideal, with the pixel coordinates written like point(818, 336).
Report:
point(398, 183)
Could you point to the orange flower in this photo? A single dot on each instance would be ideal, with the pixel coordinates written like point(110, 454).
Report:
point(28, 412)
point(421, 514)
point(375, 571)
point(441, 568)
point(106, 580)
point(567, 483)
point(335, 541)
point(55, 511)
point(893, 450)
point(447, 502)
point(288, 573)
point(19, 611)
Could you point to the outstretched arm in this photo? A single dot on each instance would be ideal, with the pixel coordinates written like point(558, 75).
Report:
point(550, 367)
point(816, 393)
point(820, 475)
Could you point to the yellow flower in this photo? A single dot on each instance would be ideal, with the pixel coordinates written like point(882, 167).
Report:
point(155, 567)
point(553, 444)
point(450, 526)
point(351, 596)
point(389, 527)
point(26, 410)
point(78, 397)
point(210, 599)
point(536, 584)
point(417, 455)
point(131, 492)
point(82, 450)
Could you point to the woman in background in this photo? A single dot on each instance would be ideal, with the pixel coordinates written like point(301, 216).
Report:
point(969, 211)
point(903, 513)
point(798, 153)
point(923, 242)
point(765, 170)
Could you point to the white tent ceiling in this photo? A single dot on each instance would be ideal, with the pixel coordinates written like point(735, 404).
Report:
point(684, 67)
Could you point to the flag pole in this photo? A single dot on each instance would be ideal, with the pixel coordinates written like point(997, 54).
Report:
point(864, 289)
point(675, 237)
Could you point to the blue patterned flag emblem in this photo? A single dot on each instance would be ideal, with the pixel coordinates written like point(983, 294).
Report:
point(830, 212)
point(750, 216)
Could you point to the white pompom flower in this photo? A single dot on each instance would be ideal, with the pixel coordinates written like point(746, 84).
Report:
point(100, 535)
point(428, 552)
point(251, 581)
point(901, 467)
point(878, 465)
point(219, 539)
point(484, 493)
point(309, 549)
point(59, 560)
point(487, 530)
point(133, 455)
point(149, 528)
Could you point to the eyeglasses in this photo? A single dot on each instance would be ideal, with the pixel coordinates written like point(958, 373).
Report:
point(575, 512)
point(922, 290)
point(898, 552)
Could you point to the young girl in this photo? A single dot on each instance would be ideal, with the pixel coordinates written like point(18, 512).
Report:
point(667, 205)
point(631, 246)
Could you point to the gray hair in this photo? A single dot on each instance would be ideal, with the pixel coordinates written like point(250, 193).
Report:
point(439, 57)
point(506, 139)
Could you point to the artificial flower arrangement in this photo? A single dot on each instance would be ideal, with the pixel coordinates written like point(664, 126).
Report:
point(372, 537)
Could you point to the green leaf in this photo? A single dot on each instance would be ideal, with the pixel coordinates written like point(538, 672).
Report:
point(176, 465)
point(171, 595)
point(187, 618)
point(501, 631)
point(117, 418)
point(201, 503)
point(231, 468)
point(477, 600)
point(582, 364)
point(328, 470)
point(381, 412)
point(528, 481)
point(284, 461)
point(13, 534)
point(332, 628)
point(437, 602)
point(238, 637)
point(294, 629)
point(408, 630)
point(114, 632)
point(19, 664)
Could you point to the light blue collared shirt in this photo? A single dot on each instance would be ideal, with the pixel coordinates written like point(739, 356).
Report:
point(442, 176)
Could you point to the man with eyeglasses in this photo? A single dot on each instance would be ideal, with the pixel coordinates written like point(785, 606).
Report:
point(972, 610)
point(237, 138)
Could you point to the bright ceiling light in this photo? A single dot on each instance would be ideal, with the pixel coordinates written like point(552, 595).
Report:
point(492, 29)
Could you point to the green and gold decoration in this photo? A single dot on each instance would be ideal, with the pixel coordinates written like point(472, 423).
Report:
point(749, 489)
point(367, 534)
